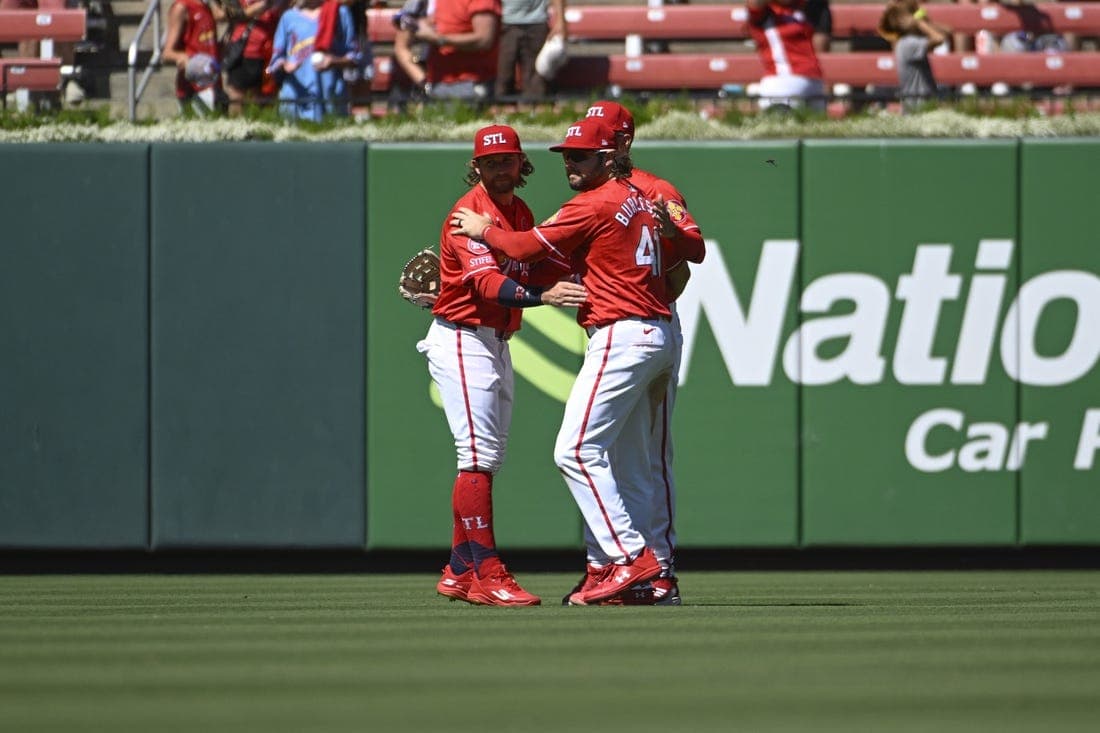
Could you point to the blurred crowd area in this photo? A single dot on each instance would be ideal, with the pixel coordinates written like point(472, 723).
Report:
point(307, 60)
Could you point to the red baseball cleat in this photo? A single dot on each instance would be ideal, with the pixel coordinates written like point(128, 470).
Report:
point(500, 589)
point(666, 591)
point(636, 595)
point(455, 587)
point(593, 574)
point(618, 579)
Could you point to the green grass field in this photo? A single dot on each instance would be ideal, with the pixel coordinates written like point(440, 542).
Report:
point(820, 651)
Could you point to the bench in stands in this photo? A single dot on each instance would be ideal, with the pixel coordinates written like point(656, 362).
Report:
point(726, 22)
point(674, 72)
point(47, 23)
point(33, 25)
point(709, 71)
point(34, 75)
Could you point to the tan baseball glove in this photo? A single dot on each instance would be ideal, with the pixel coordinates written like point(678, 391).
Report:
point(419, 282)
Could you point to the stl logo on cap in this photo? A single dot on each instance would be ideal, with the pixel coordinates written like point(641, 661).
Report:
point(496, 139)
point(614, 114)
point(591, 133)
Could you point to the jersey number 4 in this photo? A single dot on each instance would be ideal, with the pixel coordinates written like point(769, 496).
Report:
point(648, 252)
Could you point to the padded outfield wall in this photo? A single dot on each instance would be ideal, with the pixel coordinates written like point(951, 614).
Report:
point(889, 343)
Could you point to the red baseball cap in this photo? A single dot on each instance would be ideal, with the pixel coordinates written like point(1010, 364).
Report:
point(496, 139)
point(616, 116)
point(591, 133)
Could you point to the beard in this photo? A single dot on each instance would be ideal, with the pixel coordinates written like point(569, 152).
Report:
point(585, 181)
point(502, 183)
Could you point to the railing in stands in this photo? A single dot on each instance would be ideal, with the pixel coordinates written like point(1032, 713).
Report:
point(135, 88)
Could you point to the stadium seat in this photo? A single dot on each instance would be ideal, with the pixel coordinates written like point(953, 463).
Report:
point(728, 22)
point(33, 25)
point(32, 74)
point(672, 72)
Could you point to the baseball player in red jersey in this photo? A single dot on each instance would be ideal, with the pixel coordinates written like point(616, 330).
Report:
point(609, 232)
point(681, 242)
point(784, 41)
point(477, 311)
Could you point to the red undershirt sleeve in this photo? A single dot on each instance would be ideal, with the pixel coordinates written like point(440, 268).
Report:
point(521, 246)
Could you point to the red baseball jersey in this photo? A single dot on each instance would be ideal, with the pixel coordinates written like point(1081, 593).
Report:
point(471, 273)
point(784, 39)
point(610, 235)
point(449, 64)
point(689, 246)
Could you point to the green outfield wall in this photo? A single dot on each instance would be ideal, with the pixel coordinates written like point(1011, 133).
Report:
point(890, 343)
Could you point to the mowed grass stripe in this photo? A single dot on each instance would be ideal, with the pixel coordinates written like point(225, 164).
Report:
point(751, 651)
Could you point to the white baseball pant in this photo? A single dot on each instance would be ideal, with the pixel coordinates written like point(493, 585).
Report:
point(473, 369)
point(634, 471)
point(626, 367)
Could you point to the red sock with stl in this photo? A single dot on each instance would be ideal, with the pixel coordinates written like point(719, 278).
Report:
point(473, 502)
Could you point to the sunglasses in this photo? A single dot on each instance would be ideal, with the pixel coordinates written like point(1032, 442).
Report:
point(580, 156)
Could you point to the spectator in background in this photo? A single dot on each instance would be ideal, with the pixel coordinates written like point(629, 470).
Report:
point(986, 42)
point(525, 27)
point(191, 37)
point(784, 41)
point(313, 82)
point(1075, 42)
point(821, 18)
point(912, 33)
point(409, 74)
point(359, 77)
point(464, 40)
point(962, 42)
point(247, 79)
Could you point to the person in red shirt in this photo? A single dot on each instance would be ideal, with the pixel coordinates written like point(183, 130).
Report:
point(478, 309)
point(247, 78)
point(191, 32)
point(610, 234)
point(465, 40)
point(784, 41)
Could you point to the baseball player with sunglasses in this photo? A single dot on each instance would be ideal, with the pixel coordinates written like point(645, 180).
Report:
point(478, 309)
point(610, 234)
point(681, 243)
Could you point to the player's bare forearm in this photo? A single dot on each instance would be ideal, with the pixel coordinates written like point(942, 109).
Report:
point(565, 294)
